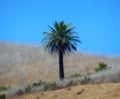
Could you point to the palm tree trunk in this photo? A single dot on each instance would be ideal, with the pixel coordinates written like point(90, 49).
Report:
point(61, 67)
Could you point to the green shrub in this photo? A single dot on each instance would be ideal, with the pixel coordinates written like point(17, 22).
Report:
point(28, 88)
point(40, 83)
point(85, 80)
point(50, 86)
point(46, 85)
point(102, 66)
point(36, 84)
point(75, 75)
point(3, 88)
point(2, 96)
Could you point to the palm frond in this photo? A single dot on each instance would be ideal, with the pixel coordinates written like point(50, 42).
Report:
point(61, 37)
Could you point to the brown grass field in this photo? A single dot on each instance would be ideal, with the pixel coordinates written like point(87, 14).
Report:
point(21, 65)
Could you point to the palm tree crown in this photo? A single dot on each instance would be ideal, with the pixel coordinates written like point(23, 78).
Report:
point(61, 37)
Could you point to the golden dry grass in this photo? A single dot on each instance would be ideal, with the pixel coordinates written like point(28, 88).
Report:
point(34, 64)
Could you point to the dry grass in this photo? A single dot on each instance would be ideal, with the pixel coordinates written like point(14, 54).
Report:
point(99, 91)
point(21, 65)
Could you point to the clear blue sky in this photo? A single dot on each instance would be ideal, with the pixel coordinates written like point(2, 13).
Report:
point(96, 21)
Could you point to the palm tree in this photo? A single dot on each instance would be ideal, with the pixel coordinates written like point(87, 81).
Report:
point(61, 39)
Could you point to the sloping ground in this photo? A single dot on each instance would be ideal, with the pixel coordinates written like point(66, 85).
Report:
point(24, 64)
point(21, 65)
point(98, 91)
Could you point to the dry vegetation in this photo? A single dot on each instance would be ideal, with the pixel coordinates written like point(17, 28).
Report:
point(21, 65)
point(99, 91)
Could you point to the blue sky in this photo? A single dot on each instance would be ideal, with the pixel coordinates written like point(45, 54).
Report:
point(96, 21)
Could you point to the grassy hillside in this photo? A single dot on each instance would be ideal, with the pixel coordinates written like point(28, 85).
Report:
point(24, 64)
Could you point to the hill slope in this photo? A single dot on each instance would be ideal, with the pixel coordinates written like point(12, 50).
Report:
point(23, 64)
